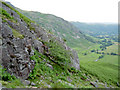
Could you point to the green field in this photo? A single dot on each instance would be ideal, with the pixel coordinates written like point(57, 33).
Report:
point(112, 48)
point(105, 69)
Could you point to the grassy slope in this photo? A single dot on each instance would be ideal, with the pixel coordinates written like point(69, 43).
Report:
point(60, 27)
point(113, 48)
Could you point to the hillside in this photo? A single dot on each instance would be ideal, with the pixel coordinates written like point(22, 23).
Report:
point(33, 57)
point(29, 52)
point(61, 28)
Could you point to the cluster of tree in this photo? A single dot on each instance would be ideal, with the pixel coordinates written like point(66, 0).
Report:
point(111, 37)
point(105, 43)
point(101, 56)
point(115, 39)
point(84, 53)
point(112, 53)
point(93, 50)
point(107, 53)
point(98, 52)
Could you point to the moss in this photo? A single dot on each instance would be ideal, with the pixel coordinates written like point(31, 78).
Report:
point(3, 20)
point(64, 40)
point(6, 16)
point(17, 34)
point(50, 31)
point(4, 12)
point(27, 20)
point(5, 75)
point(58, 52)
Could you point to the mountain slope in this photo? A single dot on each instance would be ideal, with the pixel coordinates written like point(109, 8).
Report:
point(61, 28)
point(29, 52)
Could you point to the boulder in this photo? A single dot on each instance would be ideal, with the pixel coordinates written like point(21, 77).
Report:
point(75, 60)
point(49, 66)
point(94, 84)
point(33, 84)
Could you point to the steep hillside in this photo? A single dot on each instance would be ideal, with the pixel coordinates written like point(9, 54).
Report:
point(29, 52)
point(61, 28)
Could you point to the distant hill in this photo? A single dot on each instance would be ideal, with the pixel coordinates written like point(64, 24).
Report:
point(97, 28)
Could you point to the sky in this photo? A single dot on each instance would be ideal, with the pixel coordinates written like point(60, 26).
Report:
point(91, 11)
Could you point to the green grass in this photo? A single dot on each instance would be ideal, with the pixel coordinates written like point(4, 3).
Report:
point(87, 48)
point(113, 48)
point(12, 84)
point(13, 81)
point(6, 16)
point(95, 70)
point(4, 12)
point(16, 34)
point(105, 69)
point(41, 69)
point(58, 52)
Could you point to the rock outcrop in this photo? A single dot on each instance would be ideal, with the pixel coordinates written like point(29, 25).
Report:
point(19, 37)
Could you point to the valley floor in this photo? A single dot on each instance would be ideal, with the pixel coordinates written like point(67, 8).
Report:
point(102, 65)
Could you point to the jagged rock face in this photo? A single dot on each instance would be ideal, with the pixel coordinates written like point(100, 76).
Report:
point(16, 51)
point(75, 60)
point(15, 54)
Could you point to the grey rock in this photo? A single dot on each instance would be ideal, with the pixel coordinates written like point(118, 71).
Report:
point(87, 79)
point(38, 46)
point(118, 84)
point(68, 78)
point(49, 66)
point(111, 86)
point(106, 85)
point(96, 81)
point(33, 84)
point(75, 60)
point(0, 86)
point(94, 84)
point(47, 85)
point(26, 82)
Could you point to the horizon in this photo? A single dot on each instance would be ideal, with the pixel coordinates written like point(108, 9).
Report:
point(72, 14)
